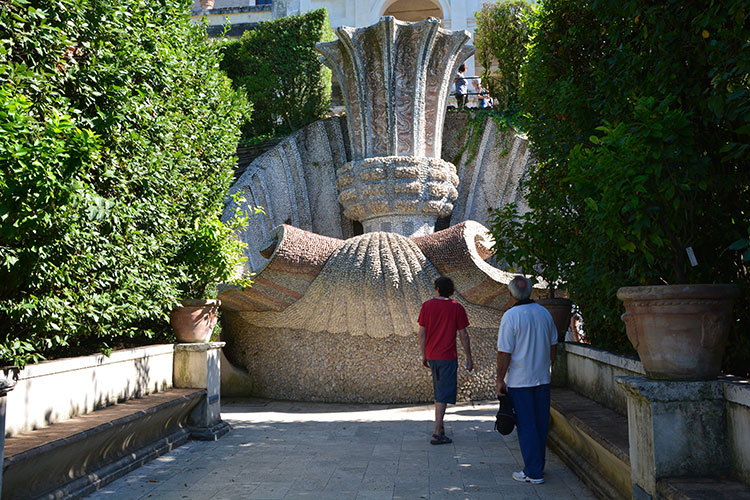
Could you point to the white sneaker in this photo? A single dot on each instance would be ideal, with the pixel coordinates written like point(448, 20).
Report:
point(522, 477)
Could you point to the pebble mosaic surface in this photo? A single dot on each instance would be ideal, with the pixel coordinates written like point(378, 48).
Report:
point(321, 366)
point(398, 185)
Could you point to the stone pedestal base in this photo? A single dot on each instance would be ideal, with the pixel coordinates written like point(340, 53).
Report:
point(675, 429)
point(405, 225)
point(399, 194)
point(197, 366)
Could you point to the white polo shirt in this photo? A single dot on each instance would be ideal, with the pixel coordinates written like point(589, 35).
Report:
point(527, 332)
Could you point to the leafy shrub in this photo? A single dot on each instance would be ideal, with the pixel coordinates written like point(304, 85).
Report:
point(638, 113)
point(522, 241)
point(277, 66)
point(118, 134)
point(211, 255)
point(502, 32)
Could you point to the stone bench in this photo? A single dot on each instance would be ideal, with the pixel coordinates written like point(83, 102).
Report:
point(593, 441)
point(73, 458)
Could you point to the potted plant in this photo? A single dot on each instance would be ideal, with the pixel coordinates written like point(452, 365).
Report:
point(526, 243)
point(209, 254)
point(654, 194)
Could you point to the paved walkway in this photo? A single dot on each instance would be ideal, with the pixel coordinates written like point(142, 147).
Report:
point(286, 450)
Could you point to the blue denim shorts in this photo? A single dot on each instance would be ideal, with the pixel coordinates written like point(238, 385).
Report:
point(444, 380)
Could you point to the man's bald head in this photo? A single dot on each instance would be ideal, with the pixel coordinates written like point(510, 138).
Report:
point(520, 287)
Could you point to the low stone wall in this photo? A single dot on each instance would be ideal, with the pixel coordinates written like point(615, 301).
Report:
point(591, 372)
point(737, 400)
point(53, 391)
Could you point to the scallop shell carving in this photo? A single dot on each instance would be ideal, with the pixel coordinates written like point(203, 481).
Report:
point(372, 285)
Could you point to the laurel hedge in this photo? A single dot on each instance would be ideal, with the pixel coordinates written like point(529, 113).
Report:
point(117, 141)
point(276, 65)
point(638, 113)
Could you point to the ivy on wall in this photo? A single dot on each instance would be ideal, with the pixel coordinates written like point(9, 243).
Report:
point(471, 133)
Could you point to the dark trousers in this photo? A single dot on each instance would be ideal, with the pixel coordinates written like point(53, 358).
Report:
point(532, 414)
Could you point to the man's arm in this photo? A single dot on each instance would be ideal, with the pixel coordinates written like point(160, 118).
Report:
point(503, 362)
point(422, 340)
point(464, 336)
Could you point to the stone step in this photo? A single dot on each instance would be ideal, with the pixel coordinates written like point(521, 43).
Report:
point(593, 441)
point(73, 458)
point(702, 488)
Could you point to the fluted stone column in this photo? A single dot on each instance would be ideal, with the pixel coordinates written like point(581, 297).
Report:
point(395, 79)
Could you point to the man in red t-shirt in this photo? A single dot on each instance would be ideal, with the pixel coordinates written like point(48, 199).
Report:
point(439, 320)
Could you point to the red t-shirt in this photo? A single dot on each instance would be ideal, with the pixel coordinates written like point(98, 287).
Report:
point(442, 319)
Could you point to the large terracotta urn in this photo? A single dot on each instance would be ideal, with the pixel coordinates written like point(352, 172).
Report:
point(560, 309)
point(679, 331)
point(194, 320)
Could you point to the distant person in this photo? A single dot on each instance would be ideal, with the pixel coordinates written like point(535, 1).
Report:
point(462, 87)
point(575, 329)
point(526, 350)
point(439, 320)
point(483, 97)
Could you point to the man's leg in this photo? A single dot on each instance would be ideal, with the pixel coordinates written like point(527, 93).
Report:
point(439, 416)
point(541, 408)
point(444, 385)
point(528, 436)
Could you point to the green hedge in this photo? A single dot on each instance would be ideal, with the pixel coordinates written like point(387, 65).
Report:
point(639, 115)
point(277, 66)
point(117, 142)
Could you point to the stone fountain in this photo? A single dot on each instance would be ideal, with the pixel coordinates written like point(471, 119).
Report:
point(335, 319)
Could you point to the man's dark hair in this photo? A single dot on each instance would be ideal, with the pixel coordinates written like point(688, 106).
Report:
point(444, 286)
point(462, 68)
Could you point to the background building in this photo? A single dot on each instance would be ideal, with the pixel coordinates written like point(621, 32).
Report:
point(245, 14)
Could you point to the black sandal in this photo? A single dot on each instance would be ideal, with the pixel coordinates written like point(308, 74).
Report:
point(440, 439)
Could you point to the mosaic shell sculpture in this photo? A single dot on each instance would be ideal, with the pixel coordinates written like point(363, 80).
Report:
point(332, 316)
point(335, 320)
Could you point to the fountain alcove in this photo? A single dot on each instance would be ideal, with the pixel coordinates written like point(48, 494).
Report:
point(332, 316)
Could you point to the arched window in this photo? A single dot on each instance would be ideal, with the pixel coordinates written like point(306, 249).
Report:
point(414, 10)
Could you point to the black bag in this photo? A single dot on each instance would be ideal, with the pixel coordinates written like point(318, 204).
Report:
point(505, 420)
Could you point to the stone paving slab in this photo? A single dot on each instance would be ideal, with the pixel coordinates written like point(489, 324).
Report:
point(290, 450)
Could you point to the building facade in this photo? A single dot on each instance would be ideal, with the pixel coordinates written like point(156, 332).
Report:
point(245, 14)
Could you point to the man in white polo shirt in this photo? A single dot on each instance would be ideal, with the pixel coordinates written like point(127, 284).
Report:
point(526, 349)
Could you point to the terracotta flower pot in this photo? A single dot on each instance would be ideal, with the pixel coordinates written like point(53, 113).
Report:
point(560, 311)
point(679, 331)
point(194, 320)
